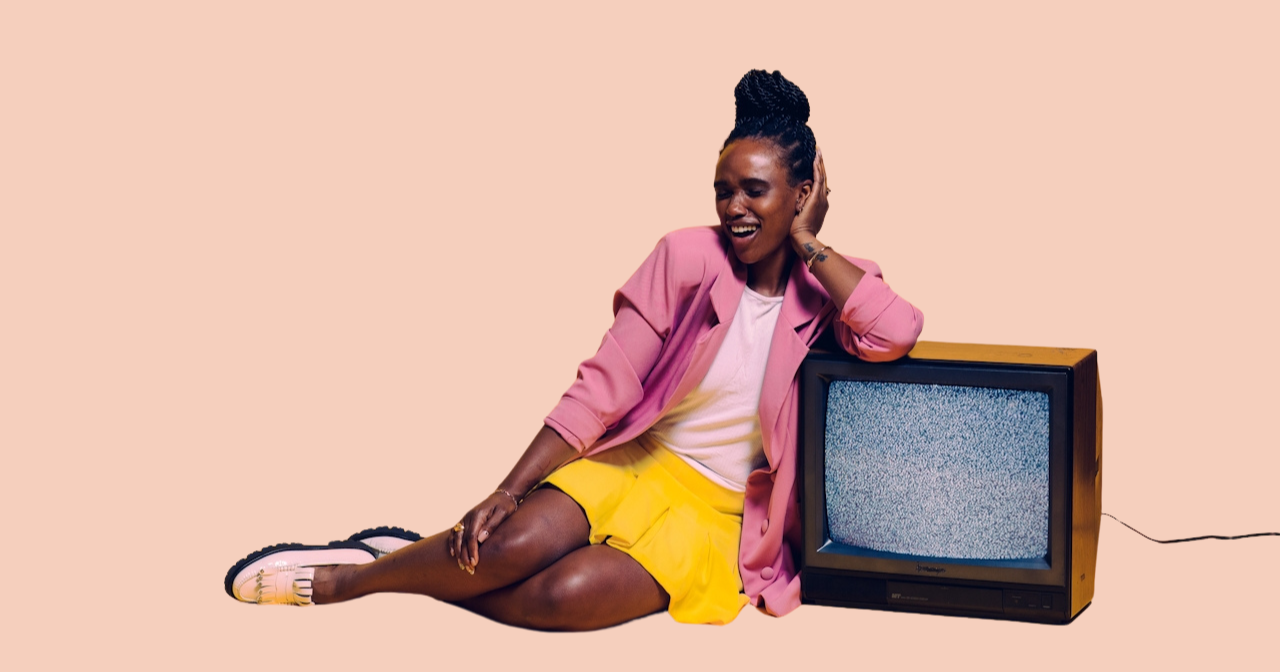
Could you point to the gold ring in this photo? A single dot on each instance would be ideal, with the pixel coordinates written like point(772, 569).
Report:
point(459, 527)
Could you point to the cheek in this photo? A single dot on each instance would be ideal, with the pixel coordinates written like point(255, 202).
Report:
point(782, 214)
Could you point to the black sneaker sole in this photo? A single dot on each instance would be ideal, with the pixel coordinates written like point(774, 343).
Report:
point(385, 531)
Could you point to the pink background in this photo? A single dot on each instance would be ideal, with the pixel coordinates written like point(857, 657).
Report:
point(281, 271)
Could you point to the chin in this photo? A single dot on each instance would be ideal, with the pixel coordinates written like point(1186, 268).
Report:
point(754, 255)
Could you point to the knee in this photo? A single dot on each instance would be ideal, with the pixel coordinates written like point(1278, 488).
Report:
point(511, 545)
point(519, 549)
point(562, 601)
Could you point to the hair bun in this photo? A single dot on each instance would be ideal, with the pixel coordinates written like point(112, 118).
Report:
point(764, 94)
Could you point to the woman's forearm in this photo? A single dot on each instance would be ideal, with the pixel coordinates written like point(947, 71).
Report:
point(833, 271)
point(545, 453)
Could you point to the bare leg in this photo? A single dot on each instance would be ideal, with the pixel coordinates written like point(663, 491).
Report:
point(547, 526)
point(590, 588)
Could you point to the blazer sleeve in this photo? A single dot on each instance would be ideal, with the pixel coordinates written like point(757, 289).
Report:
point(611, 383)
point(876, 324)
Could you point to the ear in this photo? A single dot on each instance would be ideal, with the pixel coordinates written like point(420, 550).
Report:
point(803, 190)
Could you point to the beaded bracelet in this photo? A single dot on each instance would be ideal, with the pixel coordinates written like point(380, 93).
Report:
point(513, 497)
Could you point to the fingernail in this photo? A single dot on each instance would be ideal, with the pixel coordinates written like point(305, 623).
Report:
point(451, 552)
point(484, 535)
point(471, 571)
point(461, 566)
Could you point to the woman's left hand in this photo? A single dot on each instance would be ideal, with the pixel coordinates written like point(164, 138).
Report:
point(813, 210)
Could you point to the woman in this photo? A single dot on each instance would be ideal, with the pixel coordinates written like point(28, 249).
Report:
point(685, 496)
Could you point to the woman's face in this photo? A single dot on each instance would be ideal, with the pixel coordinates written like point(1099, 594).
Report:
point(754, 200)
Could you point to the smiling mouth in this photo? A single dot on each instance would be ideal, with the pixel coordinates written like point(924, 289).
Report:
point(743, 230)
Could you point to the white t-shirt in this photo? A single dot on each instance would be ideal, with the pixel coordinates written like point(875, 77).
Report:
point(716, 428)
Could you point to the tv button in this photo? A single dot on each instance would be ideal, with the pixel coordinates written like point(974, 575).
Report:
point(766, 573)
point(764, 527)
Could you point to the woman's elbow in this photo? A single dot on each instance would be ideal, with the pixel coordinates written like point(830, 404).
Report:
point(890, 338)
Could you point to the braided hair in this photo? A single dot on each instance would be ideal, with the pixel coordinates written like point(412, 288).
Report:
point(772, 108)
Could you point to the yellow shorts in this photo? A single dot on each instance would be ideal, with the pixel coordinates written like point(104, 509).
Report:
point(643, 500)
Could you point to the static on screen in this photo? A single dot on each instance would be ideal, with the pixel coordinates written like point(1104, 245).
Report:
point(938, 471)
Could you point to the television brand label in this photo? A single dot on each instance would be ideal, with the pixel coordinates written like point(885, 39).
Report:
point(930, 569)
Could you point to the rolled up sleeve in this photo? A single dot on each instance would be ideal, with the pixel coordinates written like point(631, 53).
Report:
point(876, 324)
point(611, 382)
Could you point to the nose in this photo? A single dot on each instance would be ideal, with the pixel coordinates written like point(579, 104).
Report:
point(737, 206)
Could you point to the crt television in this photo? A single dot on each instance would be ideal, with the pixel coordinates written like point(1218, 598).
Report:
point(961, 479)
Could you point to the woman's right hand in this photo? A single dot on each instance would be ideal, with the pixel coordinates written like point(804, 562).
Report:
point(545, 453)
point(477, 525)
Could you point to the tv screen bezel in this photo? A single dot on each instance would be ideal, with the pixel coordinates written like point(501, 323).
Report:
point(822, 552)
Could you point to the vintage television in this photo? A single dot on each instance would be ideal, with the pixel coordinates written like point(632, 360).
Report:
point(961, 479)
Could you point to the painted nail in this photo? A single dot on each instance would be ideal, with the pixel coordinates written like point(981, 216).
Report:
point(471, 571)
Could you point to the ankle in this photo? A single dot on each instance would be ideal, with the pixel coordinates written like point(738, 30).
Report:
point(329, 584)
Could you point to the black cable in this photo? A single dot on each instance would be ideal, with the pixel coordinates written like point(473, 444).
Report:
point(1207, 536)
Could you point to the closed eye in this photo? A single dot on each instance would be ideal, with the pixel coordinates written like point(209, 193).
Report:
point(751, 193)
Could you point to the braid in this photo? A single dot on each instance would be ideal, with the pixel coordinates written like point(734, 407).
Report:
point(770, 107)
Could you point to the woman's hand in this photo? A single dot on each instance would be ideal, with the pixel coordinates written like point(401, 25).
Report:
point(476, 526)
point(836, 274)
point(545, 453)
point(813, 209)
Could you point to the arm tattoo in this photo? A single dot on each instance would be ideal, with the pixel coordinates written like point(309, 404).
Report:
point(808, 247)
point(821, 258)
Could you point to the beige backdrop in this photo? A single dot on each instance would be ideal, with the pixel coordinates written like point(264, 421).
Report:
point(280, 271)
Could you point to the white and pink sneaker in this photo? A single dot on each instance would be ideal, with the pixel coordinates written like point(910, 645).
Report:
point(282, 574)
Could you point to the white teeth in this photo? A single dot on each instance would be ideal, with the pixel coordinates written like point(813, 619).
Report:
point(743, 229)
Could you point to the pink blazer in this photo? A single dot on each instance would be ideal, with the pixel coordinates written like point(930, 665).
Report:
point(669, 321)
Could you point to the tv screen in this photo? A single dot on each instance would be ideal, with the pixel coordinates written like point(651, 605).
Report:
point(961, 479)
point(942, 471)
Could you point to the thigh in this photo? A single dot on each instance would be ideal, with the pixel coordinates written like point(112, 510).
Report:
point(591, 588)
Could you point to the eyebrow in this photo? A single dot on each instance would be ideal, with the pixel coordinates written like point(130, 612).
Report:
point(748, 182)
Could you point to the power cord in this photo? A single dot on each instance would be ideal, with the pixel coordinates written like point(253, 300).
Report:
point(1207, 536)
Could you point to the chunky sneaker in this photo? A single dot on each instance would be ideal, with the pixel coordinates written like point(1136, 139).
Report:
point(282, 574)
point(384, 540)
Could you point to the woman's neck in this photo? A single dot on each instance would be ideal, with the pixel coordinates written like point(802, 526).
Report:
point(768, 277)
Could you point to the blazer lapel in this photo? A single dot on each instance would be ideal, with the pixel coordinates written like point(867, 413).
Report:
point(795, 330)
point(725, 293)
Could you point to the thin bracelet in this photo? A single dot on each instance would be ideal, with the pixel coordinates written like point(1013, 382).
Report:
point(513, 497)
point(809, 264)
